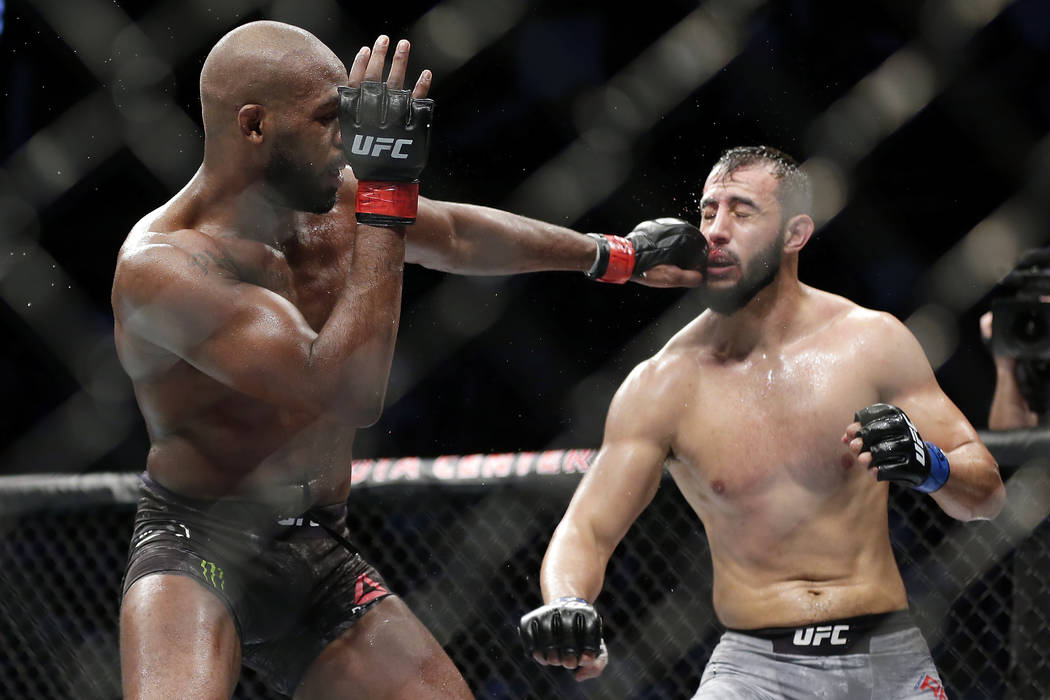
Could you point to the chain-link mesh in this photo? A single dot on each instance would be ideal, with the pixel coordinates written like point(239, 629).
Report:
point(466, 559)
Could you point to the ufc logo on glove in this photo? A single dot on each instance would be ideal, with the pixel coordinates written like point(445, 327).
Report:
point(363, 146)
point(388, 134)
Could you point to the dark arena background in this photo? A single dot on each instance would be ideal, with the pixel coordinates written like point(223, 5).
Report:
point(923, 124)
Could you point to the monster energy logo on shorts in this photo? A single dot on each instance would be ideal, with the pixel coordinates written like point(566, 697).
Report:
point(213, 575)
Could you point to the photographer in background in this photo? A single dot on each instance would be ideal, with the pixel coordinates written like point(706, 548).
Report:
point(1017, 330)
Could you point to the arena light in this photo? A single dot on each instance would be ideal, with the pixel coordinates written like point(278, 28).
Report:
point(95, 418)
point(598, 161)
point(609, 119)
point(876, 106)
point(902, 86)
point(453, 32)
point(872, 109)
point(934, 326)
point(970, 268)
point(54, 160)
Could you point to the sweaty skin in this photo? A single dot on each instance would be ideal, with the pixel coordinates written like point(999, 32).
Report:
point(797, 527)
point(751, 410)
point(257, 320)
point(258, 337)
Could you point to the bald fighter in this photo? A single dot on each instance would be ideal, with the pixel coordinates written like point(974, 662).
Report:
point(256, 313)
point(783, 413)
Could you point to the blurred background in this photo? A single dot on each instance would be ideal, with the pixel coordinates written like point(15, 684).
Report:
point(924, 126)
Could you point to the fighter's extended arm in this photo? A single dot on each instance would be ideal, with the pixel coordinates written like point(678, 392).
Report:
point(472, 239)
point(620, 483)
point(965, 482)
point(186, 296)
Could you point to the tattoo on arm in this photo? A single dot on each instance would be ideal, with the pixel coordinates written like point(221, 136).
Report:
point(206, 260)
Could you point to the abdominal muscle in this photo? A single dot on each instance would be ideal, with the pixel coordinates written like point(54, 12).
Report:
point(824, 567)
point(746, 603)
point(303, 465)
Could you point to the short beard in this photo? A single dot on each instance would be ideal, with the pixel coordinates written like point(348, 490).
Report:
point(761, 272)
point(296, 186)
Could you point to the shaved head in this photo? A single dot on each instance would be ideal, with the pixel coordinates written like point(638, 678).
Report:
point(269, 98)
point(268, 63)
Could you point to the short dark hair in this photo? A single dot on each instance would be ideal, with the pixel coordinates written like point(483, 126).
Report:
point(795, 194)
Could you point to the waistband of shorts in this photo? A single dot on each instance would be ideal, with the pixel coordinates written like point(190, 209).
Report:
point(850, 635)
point(282, 511)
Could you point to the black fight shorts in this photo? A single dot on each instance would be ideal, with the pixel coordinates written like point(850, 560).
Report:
point(290, 584)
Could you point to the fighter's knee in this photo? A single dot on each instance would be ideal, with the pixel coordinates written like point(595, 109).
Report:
point(387, 653)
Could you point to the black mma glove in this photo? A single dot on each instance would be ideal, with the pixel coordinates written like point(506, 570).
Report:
point(665, 241)
point(568, 627)
point(898, 452)
point(386, 138)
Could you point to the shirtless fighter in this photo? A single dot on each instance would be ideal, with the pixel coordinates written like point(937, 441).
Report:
point(782, 412)
point(255, 313)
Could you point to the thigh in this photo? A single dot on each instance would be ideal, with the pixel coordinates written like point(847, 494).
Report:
point(727, 689)
point(177, 640)
point(903, 668)
point(387, 655)
point(739, 669)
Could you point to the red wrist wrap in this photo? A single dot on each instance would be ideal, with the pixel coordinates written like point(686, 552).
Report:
point(395, 199)
point(621, 260)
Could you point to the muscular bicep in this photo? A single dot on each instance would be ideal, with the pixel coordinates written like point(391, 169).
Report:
point(626, 473)
point(192, 305)
point(974, 490)
point(907, 380)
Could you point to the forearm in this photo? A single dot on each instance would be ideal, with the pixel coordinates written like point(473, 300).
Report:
point(974, 489)
point(357, 341)
point(1009, 411)
point(574, 565)
point(470, 239)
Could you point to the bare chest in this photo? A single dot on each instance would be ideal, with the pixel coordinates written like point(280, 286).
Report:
point(757, 427)
point(309, 272)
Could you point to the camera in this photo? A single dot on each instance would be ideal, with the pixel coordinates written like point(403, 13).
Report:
point(1021, 323)
point(1021, 328)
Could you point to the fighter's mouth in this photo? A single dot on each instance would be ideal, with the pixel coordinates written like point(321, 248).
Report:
point(719, 258)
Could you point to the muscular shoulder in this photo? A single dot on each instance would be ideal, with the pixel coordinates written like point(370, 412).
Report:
point(844, 318)
point(150, 261)
point(670, 371)
point(878, 330)
point(886, 349)
point(652, 396)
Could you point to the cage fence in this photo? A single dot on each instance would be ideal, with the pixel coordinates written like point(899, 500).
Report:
point(464, 551)
point(463, 548)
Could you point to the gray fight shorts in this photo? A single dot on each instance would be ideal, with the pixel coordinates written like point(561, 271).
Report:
point(873, 657)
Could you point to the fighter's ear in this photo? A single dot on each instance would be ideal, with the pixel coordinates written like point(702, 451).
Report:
point(249, 119)
point(799, 229)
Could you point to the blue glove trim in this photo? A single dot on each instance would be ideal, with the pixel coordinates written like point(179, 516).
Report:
point(939, 470)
